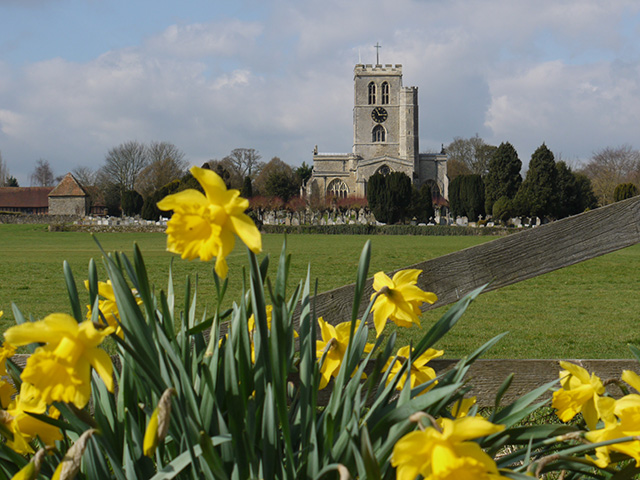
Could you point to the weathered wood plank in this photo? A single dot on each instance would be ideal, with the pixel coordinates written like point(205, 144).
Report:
point(509, 259)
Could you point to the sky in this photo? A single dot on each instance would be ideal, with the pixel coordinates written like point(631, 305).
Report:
point(79, 77)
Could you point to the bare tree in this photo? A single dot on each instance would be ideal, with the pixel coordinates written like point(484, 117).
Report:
point(167, 163)
point(42, 175)
point(468, 156)
point(245, 162)
point(85, 175)
point(4, 172)
point(610, 167)
point(123, 164)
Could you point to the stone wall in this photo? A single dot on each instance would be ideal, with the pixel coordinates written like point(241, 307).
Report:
point(68, 205)
point(25, 218)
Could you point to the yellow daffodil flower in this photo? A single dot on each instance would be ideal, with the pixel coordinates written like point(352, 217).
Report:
point(399, 299)
point(60, 370)
point(158, 424)
point(628, 425)
point(420, 372)
point(582, 393)
point(108, 305)
point(446, 452)
point(251, 323)
point(334, 341)
point(7, 389)
point(631, 378)
point(204, 225)
point(461, 407)
point(26, 427)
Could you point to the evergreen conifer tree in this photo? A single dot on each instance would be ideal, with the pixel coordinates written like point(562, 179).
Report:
point(539, 191)
point(389, 196)
point(503, 177)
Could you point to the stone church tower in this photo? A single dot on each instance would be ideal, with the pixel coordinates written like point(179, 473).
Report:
point(385, 139)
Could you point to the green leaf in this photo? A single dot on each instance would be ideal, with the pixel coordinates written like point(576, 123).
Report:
point(73, 292)
point(519, 409)
point(368, 456)
point(635, 351)
point(502, 390)
point(361, 279)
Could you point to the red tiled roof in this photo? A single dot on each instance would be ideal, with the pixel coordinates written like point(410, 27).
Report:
point(24, 197)
point(68, 187)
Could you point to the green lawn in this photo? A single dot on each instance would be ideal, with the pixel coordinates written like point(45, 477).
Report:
point(590, 310)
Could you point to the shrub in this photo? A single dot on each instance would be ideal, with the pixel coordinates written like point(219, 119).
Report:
point(503, 209)
point(624, 191)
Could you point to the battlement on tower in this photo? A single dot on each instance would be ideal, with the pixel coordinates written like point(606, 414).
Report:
point(382, 69)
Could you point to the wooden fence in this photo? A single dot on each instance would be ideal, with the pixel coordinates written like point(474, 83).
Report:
point(506, 261)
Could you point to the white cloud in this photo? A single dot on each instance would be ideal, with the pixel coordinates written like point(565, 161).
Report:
point(526, 72)
point(198, 40)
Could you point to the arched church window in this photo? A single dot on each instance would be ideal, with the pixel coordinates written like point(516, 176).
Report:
point(372, 93)
point(385, 93)
point(338, 188)
point(378, 134)
point(384, 170)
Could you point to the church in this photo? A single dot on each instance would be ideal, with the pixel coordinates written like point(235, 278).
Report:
point(385, 139)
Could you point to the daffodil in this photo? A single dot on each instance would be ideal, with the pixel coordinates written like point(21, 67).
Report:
point(108, 305)
point(461, 407)
point(335, 340)
point(581, 393)
point(420, 372)
point(7, 389)
point(60, 370)
point(399, 299)
point(627, 426)
point(626, 423)
point(446, 452)
point(25, 427)
point(204, 225)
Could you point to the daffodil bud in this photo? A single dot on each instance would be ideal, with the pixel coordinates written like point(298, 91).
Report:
point(158, 423)
point(70, 464)
point(30, 470)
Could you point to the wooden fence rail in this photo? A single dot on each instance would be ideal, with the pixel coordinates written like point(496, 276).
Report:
point(508, 260)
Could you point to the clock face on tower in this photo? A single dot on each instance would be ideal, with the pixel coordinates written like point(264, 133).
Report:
point(379, 114)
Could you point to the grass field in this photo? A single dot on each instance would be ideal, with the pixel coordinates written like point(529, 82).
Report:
point(590, 310)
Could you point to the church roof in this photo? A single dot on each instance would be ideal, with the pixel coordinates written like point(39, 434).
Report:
point(24, 197)
point(68, 187)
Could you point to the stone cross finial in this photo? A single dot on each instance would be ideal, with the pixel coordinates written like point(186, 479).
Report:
point(377, 46)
